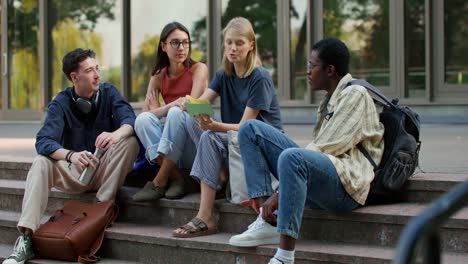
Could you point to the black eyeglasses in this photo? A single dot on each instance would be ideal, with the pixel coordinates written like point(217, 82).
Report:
point(310, 65)
point(175, 43)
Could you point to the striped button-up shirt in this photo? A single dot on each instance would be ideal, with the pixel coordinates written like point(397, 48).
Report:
point(345, 119)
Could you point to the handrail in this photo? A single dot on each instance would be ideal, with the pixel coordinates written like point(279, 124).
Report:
point(424, 228)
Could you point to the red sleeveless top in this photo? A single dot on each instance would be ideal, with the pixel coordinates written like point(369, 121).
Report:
point(172, 88)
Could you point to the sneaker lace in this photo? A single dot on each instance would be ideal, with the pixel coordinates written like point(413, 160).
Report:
point(20, 247)
point(258, 223)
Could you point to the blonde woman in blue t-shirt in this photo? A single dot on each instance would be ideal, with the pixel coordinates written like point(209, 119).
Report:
point(246, 91)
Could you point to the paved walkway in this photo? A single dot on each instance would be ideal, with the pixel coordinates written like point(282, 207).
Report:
point(444, 146)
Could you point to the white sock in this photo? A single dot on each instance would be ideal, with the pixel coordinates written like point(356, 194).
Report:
point(285, 256)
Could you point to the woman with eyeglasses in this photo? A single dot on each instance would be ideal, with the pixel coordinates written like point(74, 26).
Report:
point(174, 76)
point(246, 91)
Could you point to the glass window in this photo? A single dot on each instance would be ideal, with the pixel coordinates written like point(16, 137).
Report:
point(262, 15)
point(299, 49)
point(22, 58)
point(415, 47)
point(148, 18)
point(456, 34)
point(1, 60)
point(91, 24)
point(365, 30)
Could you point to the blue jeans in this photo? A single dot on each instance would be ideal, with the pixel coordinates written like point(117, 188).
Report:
point(168, 138)
point(306, 178)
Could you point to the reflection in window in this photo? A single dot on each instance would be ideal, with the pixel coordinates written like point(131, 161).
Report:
point(415, 47)
point(456, 46)
point(148, 19)
point(2, 63)
point(299, 49)
point(262, 15)
point(93, 24)
point(23, 59)
point(365, 30)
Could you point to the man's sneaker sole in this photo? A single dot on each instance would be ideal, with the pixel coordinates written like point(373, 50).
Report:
point(255, 243)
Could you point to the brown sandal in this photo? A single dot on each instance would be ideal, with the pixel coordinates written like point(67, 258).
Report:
point(199, 228)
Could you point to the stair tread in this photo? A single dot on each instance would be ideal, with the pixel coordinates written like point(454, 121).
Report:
point(429, 181)
point(163, 235)
point(5, 251)
point(305, 248)
point(397, 213)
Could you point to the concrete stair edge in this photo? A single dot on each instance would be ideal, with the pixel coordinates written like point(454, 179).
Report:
point(6, 249)
point(429, 181)
point(306, 250)
point(398, 213)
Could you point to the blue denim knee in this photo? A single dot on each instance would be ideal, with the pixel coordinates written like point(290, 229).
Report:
point(148, 128)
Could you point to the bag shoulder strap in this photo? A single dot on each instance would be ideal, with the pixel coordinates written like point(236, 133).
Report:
point(91, 257)
point(380, 95)
point(371, 88)
point(367, 155)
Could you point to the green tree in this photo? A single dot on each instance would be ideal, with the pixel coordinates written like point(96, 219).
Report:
point(456, 34)
point(23, 36)
point(67, 36)
point(84, 15)
point(22, 56)
point(261, 13)
point(24, 72)
point(364, 26)
point(142, 66)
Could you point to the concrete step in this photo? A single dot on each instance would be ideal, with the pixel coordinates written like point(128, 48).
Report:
point(155, 244)
point(426, 187)
point(6, 249)
point(215, 248)
point(422, 187)
point(12, 191)
point(377, 224)
point(14, 168)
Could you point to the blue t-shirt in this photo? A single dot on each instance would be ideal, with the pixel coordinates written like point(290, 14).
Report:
point(256, 91)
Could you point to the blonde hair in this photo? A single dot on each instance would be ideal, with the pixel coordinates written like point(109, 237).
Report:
point(243, 27)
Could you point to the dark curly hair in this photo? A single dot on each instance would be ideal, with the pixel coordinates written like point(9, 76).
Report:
point(71, 61)
point(332, 51)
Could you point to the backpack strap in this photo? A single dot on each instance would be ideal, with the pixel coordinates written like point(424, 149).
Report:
point(367, 155)
point(382, 98)
point(91, 257)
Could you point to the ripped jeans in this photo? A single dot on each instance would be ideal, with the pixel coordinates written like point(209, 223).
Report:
point(167, 137)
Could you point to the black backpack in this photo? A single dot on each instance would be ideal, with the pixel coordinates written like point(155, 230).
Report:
point(402, 144)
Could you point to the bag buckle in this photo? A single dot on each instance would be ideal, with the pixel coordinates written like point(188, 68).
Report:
point(79, 218)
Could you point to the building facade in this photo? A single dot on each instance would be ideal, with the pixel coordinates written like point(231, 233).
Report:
point(415, 50)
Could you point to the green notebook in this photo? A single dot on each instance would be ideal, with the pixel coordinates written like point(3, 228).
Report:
point(195, 109)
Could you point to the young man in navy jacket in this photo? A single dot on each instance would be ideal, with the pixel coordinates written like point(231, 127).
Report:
point(81, 118)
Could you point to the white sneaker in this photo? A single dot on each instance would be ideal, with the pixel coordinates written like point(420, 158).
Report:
point(275, 261)
point(258, 233)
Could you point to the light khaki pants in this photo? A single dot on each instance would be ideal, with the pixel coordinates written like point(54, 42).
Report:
point(46, 173)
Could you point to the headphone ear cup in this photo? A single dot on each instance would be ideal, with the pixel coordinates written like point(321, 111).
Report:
point(84, 105)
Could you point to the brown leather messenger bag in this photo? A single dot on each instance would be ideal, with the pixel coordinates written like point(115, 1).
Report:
point(75, 232)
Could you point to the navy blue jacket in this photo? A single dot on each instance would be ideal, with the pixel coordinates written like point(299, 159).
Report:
point(67, 127)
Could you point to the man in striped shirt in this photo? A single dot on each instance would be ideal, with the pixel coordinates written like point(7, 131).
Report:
point(330, 173)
